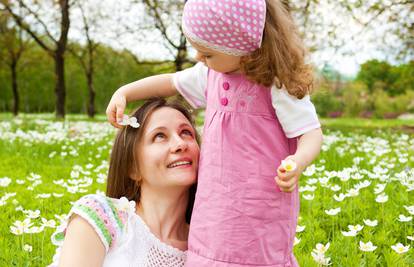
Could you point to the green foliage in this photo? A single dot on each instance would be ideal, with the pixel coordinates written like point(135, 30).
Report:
point(374, 71)
point(325, 102)
point(405, 102)
point(382, 104)
point(36, 80)
point(385, 106)
point(380, 91)
point(355, 99)
point(404, 80)
point(395, 80)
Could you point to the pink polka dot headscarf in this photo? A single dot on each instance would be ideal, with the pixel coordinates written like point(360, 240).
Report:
point(233, 27)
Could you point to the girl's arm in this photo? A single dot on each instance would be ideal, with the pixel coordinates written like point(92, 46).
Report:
point(309, 146)
point(154, 86)
point(82, 246)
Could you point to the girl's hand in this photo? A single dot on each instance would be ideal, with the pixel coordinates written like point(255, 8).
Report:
point(288, 176)
point(115, 109)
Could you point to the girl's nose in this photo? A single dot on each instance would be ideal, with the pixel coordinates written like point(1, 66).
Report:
point(199, 57)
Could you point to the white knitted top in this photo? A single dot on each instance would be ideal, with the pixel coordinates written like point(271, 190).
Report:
point(127, 239)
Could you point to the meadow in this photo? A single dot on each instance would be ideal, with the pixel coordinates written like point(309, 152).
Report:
point(357, 199)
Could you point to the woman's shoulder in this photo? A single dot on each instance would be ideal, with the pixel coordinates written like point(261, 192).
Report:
point(121, 206)
point(108, 217)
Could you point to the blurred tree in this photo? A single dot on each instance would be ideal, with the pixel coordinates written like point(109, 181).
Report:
point(392, 19)
point(403, 78)
point(12, 46)
point(166, 15)
point(374, 71)
point(90, 20)
point(45, 36)
point(394, 80)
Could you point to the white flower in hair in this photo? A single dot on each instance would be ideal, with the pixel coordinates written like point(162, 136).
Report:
point(131, 121)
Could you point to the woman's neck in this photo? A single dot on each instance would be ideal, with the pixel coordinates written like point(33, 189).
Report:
point(164, 213)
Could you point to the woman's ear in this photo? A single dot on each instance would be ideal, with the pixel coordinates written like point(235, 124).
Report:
point(136, 176)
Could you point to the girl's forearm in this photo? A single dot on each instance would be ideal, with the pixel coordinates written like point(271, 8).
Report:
point(154, 86)
point(309, 146)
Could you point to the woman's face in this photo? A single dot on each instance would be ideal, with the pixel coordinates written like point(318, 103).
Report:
point(168, 151)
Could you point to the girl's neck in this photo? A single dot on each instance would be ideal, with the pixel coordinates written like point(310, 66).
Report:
point(164, 213)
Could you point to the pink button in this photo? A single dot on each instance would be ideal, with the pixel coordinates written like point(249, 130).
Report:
point(226, 86)
point(224, 101)
point(242, 103)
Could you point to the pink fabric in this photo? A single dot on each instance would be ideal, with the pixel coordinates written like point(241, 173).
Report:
point(240, 217)
point(228, 26)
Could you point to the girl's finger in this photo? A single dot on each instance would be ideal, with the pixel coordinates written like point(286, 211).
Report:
point(110, 114)
point(281, 183)
point(119, 112)
point(285, 176)
point(116, 125)
point(286, 183)
point(292, 188)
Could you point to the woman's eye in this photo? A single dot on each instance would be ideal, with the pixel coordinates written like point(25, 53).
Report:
point(187, 132)
point(159, 136)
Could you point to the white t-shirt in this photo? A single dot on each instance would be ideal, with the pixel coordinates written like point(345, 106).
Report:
point(297, 116)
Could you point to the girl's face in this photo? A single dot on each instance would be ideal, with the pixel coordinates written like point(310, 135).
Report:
point(217, 61)
point(168, 151)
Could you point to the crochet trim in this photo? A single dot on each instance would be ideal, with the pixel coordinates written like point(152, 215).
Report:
point(95, 209)
point(157, 242)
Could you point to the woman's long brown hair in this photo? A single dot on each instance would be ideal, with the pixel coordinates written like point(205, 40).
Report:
point(281, 58)
point(123, 157)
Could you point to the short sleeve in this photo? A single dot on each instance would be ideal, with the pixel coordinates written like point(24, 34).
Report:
point(101, 213)
point(297, 116)
point(191, 83)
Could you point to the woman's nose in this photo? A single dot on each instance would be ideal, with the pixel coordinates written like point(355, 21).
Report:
point(179, 145)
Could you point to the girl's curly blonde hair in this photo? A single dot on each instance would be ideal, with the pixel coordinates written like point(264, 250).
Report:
point(281, 58)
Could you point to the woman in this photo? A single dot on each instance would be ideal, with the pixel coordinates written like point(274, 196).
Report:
point(143, 220)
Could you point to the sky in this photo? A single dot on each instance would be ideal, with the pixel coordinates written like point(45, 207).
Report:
point(354, 44)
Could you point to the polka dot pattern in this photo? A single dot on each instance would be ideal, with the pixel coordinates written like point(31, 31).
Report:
point(232, 27)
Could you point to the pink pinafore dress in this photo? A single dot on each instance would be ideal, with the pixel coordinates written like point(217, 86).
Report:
point(240, 217)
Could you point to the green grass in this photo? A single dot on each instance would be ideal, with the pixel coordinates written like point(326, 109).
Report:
point(366, 123)
point(378, 151)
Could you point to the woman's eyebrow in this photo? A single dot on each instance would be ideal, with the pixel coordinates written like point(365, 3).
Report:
point(185, 124)
point(156, 129)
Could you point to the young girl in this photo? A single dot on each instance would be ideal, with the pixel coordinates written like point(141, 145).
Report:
point(143, 220)
point(254, 83)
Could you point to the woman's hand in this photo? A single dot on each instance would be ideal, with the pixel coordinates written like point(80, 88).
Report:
point(116, 108)
point(288, 175)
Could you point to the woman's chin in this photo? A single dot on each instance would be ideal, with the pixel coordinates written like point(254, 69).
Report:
point(183, 179)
